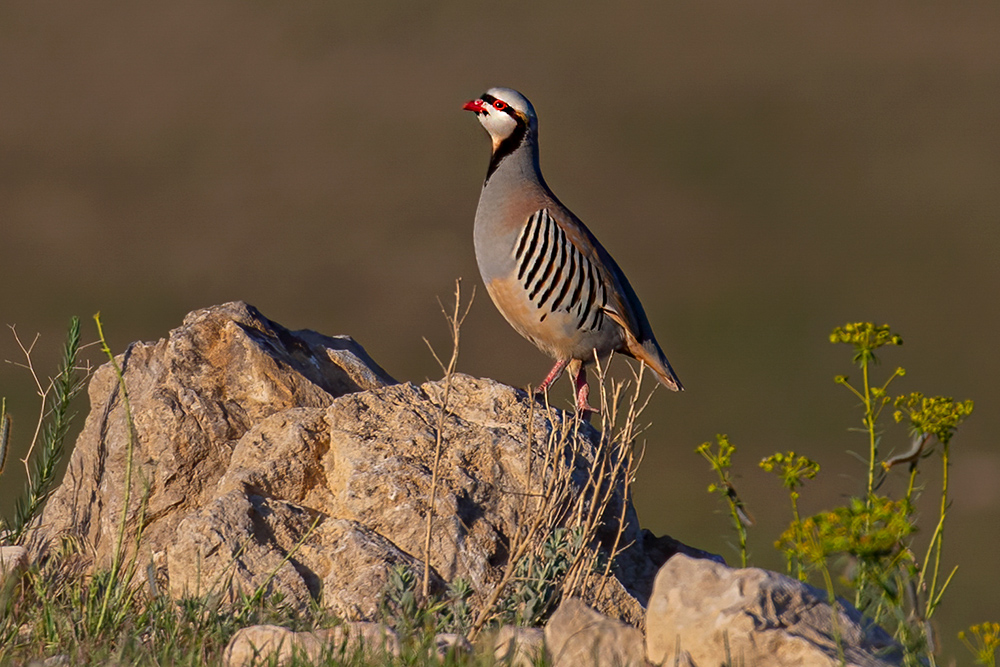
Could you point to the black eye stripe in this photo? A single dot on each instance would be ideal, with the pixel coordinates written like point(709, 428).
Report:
point(507, 109)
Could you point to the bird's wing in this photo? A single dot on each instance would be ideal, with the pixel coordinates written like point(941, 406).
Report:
point(621, 303)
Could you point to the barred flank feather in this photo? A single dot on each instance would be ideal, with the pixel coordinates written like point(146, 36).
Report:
point(556, 275)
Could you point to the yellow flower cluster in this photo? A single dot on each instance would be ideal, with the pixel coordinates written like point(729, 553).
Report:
point(984, 643)
point(865, 334)
point(863, 532)
point(938, 416)
point(866, 338)
point(794, 470)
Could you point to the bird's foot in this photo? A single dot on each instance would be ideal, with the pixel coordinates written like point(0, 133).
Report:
point(583, 406)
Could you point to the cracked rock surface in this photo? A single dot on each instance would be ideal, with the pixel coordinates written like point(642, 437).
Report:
point(291, 460)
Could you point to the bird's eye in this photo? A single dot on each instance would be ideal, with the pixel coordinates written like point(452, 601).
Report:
point(499, 105)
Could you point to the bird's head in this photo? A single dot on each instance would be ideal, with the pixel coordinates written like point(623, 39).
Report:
point(505, 113)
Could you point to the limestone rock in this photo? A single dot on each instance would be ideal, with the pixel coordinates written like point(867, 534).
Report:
point(519, 647)
point(449, 643)
point(291, 461)
point(193, 396)
point(275, 645)
point(12, 560)
point(265, 493)
point(578, 635)
point(767, 618)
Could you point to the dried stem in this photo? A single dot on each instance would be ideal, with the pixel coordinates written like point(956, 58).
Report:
point(4, 433)
point(43, 393)
point(559, 503)
point(455, 320)
point(51, 428)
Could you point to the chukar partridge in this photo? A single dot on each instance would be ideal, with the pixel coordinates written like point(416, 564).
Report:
point(547, 274)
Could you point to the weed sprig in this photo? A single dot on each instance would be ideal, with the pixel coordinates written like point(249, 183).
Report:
point(721, 460)
point(891, 584)
point(793, 470)
point(983, 643)
point(872, 534)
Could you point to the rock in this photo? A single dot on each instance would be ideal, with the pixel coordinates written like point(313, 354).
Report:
point(578, 635)
point(13, 560)
point(193, 396)
point(360, 636)
point(767, 618)
point(275, 645)
point(55, 661)
point(449, 643)
point(290, 462)
point(519, 647)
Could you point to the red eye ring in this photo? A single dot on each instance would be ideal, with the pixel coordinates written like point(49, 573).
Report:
point(499, 105)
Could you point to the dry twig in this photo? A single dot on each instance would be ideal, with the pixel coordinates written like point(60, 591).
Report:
point(455, 320)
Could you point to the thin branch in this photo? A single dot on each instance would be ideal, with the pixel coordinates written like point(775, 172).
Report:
point(51, 429)
point(42, 392)
point(455, 320)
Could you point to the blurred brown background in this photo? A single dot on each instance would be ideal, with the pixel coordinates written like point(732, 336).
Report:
point(763, 172)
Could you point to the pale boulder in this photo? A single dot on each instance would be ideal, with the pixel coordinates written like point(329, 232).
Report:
point(699, 608)
point(277, 646)
point(578, 636)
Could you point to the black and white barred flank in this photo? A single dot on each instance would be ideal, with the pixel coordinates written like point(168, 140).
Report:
point(556, 275)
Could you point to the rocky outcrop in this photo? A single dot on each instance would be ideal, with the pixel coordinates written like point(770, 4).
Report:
point(289, 460)
point(193, 395)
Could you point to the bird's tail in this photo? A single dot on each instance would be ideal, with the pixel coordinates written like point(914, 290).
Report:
point(652, 356)
point(649, 353)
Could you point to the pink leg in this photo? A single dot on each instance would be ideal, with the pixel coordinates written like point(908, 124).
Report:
point(553, 375)
point(579, 372)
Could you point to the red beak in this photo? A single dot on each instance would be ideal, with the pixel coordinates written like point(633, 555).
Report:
point(474, 105)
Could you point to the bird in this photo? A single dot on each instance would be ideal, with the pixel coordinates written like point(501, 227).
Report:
point(547, 274)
